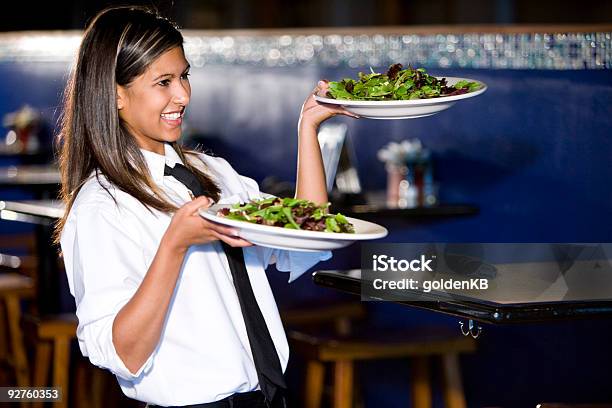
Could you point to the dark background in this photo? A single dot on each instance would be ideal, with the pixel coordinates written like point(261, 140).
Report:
point(532, 153)
point(219, 14)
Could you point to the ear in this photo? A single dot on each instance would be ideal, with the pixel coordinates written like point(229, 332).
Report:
point(121, 97)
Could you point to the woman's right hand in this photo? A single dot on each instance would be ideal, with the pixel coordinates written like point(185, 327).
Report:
point(188, 228)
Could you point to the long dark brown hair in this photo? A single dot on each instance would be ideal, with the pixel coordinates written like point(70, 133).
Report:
point(118, 46)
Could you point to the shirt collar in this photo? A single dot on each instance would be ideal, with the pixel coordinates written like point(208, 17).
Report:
point(157, 162)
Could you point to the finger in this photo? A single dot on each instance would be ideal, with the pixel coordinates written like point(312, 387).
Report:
point(335, 110)
point(340, 110)
point(221, 229)
point(351, 114)
point(322, 87)
point(198, 202)
point(234, 242)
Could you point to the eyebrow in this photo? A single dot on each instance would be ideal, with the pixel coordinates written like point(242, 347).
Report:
point(171, 75)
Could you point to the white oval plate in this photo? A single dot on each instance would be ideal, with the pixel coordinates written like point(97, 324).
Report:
point(296, 240)
point(411, 109)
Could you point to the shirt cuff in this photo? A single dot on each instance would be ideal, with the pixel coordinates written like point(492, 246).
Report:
point(298, 262)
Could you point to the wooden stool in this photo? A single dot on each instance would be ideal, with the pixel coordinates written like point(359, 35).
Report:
point(13, 288)
point(52, 336)
point(342, 352)
point(334, 314)
point(339, 314)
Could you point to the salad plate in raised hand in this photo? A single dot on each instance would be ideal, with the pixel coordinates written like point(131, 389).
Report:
point(404, 109)
point(398, 93)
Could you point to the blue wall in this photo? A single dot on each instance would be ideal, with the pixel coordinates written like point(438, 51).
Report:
point(533, 153)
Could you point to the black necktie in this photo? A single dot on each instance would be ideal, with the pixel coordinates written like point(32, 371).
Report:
point(267, 364)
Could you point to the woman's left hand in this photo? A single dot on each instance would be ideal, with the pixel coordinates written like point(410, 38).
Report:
point(314, 113)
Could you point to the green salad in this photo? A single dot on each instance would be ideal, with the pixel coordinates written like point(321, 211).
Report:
point(397, 84)
point(288, 213)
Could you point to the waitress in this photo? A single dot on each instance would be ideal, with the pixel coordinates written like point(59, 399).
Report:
point(177, 307)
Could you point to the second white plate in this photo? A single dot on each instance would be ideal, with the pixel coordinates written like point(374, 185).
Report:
point(296, 240)
point(411, 109)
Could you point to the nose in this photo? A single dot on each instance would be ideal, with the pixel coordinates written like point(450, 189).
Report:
point(182, 93)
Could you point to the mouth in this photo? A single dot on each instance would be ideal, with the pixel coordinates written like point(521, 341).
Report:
point(173, 118)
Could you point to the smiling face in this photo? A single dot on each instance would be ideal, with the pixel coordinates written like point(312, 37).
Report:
point(153, 104)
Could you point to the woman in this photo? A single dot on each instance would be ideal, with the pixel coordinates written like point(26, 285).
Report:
point(160, 294)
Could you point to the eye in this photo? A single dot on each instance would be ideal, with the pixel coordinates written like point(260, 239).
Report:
point(185, 76)
point(164, 82)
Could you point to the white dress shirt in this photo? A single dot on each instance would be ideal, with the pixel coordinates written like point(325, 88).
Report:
point(203, 354)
